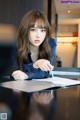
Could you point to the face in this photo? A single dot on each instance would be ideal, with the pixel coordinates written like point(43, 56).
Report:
point(37, 35)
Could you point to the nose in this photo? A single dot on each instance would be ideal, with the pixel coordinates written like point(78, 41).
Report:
point(37, 33)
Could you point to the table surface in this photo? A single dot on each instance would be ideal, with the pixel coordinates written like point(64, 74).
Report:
point(62, 104)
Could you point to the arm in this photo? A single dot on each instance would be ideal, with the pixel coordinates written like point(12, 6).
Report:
point(33, 73)
point(37, 73)
point(53, 45)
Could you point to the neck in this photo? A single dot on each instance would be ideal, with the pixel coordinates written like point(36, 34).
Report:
point(34, 52)
point(33, 49)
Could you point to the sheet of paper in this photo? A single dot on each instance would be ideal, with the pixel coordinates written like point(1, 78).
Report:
point(61, 81)
point(66, 82)
point(28, 86)
point(39, 84)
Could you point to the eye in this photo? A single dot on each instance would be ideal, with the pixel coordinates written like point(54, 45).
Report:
point(43, 30)
point(32, 29)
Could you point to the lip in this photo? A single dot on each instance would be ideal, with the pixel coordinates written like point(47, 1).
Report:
point(37, 41)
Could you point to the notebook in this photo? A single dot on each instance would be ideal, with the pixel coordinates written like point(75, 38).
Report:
point(40, 84)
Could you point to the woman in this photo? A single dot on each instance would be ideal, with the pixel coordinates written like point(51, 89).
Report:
point(35, 48)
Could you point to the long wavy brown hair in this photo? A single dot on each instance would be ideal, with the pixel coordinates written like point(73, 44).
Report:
point(23, 43)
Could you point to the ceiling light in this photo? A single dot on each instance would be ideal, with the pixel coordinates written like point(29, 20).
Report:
point(69, 11)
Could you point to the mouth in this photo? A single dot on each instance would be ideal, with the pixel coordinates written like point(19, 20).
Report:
point(37, 41)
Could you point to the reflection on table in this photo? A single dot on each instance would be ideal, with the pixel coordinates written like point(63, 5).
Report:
point(63, 104)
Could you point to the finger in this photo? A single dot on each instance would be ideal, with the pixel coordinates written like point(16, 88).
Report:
point(42, 94)
point(35, 95)
point(50, 66)
point(15, 72)
point(42, 68)
point(16, 77)
point(47, 68)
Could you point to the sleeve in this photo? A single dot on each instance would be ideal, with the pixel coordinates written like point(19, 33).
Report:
point(37, 73)
point(13, 57)
point(34, 73)
point(29, 69)
point(53, 45)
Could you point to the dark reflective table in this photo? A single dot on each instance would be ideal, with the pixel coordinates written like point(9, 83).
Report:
point(62, 104)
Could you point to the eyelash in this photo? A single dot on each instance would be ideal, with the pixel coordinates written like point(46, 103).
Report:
point(42, 30)
point(32, 29)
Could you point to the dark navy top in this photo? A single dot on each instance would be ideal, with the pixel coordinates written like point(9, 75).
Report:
point(28, 66)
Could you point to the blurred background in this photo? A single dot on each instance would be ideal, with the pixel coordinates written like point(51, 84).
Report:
point(63, 16)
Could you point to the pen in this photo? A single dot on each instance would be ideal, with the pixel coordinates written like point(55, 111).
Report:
point(51, 73)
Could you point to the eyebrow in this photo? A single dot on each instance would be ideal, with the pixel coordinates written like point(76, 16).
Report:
point(39, 27)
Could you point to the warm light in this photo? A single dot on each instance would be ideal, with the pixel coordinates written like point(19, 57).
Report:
point(69, 11)
point(67, 40)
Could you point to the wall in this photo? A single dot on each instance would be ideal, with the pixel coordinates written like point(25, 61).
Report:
point(67, 52)
point(12, 11)
point(78, 59)
point(78, 62)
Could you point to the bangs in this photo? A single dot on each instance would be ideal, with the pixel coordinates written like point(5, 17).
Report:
point(40, 23)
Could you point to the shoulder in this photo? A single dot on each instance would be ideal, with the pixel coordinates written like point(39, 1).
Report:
point(52, 42)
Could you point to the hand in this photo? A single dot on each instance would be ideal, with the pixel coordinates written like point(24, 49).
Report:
point(43, 98)
point(19, 75)
point(43, 64)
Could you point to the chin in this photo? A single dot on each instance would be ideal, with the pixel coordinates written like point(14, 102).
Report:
point(37, 45)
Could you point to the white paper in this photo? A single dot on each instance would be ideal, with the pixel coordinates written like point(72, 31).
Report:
point(28, 86)
point(64, 73)
point(39, 84)
point(60, 81)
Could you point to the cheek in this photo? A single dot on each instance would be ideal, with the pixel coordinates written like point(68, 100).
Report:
point(31, 36)
point(44, 35)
